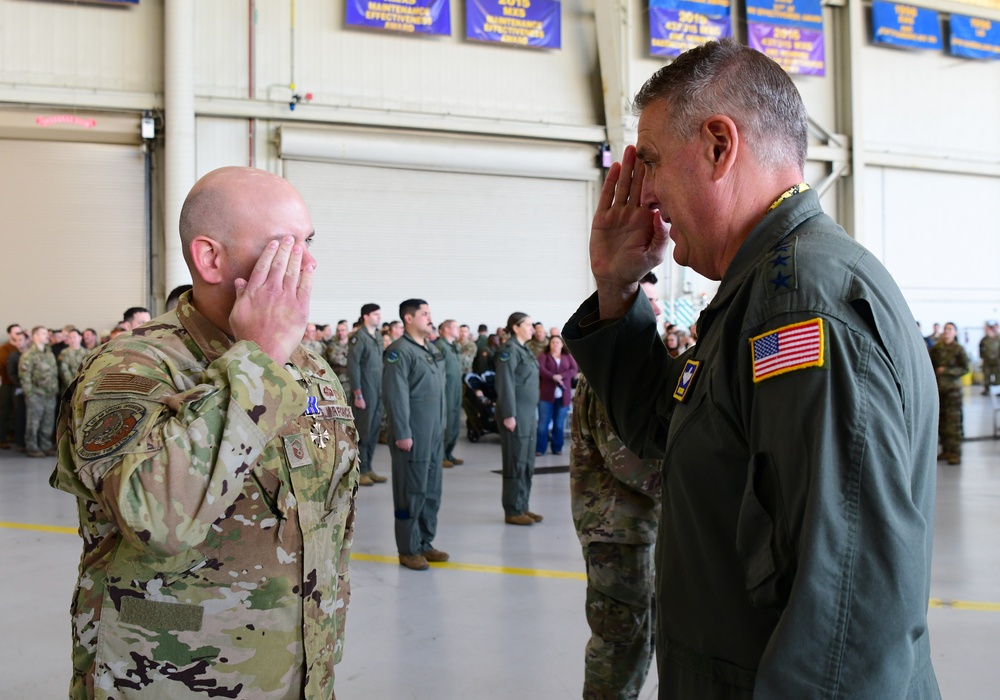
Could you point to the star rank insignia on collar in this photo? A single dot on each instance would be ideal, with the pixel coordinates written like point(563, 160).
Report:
point(686, 381)
point(779, 270)
point(319, 435)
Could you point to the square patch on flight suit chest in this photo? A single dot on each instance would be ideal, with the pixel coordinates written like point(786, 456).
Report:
point(295, 450)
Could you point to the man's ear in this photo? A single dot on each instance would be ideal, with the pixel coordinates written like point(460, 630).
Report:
point(207, 256)
point(722, 144)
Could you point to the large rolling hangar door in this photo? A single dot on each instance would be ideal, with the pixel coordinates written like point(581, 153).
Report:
point(73, 221)
point(479, 227)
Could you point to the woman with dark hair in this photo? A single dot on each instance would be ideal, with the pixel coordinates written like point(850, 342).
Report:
point(516, 384)
point(556, 369)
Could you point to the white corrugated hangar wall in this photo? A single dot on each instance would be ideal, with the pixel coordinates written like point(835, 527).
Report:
point(903, 146)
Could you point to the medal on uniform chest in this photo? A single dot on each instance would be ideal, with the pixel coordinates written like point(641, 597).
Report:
point(319, 435)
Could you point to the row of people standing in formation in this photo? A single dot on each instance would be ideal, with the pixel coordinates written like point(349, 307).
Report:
point(36, 366)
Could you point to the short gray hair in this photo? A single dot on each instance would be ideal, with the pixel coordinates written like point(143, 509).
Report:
point(725, 77)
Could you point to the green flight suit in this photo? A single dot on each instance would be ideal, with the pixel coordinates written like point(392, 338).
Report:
point(364, 369)
point(794, 548)
point(517, 397)
point(413, 390)
point(452, 394)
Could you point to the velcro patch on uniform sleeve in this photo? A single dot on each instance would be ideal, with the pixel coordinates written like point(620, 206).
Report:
point(123, 382)
point(789, 348)
point(110, 429)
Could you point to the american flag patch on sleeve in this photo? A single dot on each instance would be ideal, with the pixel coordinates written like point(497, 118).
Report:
point(789, 348)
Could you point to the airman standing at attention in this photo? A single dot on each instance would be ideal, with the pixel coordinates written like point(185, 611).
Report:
point(336, 354)
point(364, 368)
point(447, 343)
point(516, 415)
point(413, 389)
point(951, 363)
point(39, 375)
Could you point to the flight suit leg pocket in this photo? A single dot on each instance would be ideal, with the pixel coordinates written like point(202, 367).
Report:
point(762, 540)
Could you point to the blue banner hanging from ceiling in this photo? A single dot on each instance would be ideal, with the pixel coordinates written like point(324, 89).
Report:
point(536, 24)
point(678, 25)
point(790, 33)
point(974, 37)
point(905, 26)
point(407, 16)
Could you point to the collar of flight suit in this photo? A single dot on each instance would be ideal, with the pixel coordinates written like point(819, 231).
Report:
point(770, 231)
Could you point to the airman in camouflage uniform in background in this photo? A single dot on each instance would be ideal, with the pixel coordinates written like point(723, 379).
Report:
point(615, 498)
point(951, 363)
point(466, 349)
point(39, 375)
point(71, 359)
point(336, 355)
point(538, 341)
point(989, 351)
point(311, 340)
point(214, 462)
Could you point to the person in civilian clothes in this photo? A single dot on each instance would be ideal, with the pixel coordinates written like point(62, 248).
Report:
point(556, 370)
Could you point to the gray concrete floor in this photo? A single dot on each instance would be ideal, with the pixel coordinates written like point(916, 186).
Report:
point(504, 619)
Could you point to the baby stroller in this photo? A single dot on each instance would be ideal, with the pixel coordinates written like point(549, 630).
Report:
point(479, 401)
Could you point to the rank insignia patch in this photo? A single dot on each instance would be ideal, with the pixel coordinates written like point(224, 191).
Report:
point(295, 450)
point(110, 429)
point(788, 348)
point(686, 381)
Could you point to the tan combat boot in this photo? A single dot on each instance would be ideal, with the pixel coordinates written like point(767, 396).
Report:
point(522, 519)
point(413, 561)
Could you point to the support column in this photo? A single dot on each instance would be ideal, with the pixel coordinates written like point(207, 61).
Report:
point(179, 145)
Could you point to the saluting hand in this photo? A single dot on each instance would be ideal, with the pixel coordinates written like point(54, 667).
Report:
point(272, 307)
point(627, 239)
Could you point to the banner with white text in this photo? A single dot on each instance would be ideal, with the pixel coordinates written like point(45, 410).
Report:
point(406, 16)
point(678, 25)
point(790, 33)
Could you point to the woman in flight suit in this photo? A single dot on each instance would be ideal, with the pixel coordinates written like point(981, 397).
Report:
point(517, 401)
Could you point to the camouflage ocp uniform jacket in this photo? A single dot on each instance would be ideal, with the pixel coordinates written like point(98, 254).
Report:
point(38, 372)
point(615, 495)
point(216, 500)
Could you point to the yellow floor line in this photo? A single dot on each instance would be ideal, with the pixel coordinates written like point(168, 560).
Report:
point(509, 570)
point(39, 528)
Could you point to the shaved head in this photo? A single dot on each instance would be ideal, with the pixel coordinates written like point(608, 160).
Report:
point(227, 220)
point(229, 202)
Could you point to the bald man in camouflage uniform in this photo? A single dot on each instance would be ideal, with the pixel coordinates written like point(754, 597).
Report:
point(616, 509)
point(39, 376)
point(214, 462)
point(951, 363)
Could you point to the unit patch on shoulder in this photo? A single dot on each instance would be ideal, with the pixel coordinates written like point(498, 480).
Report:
point(110, 429)
point(504, 356)
point(788, 348)
point(354, 340)
point(779, 270)
point(686, 380)
point(124, 382)
point(392, 356)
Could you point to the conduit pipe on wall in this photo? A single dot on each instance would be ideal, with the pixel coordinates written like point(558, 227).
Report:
point(179, 148)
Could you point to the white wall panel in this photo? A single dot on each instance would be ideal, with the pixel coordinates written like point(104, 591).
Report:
point(437, 75)
point(940, 242)
point(74, 233)
point(221, 142)
point(927, 102)
point(82, 45)
point(477, 247)
point(222, 44)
